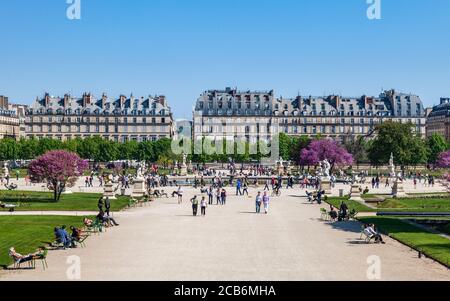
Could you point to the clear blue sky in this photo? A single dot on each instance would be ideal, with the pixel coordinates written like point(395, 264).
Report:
point(182, 47)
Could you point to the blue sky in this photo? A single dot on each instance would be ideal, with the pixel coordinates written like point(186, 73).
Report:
point(182, 47)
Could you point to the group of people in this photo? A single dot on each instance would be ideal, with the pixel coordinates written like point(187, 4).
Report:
point(68, 241)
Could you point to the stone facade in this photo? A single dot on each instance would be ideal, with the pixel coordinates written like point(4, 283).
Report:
point(122, 119)
point(438, 121)
point(260, 114)
point(9, 120)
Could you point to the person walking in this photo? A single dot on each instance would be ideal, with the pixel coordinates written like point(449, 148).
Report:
point(258, 202)
point(203, 205)
point(266, 187)
point(194, 202)
point(223, 197)
point(210, 195)
point(100, 204)
point(266, 201)
point(218, 199)
point(238, 187)
point(180, 195)
point(107, 206)
point(245, 190)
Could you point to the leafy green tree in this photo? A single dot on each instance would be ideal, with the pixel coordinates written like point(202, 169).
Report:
point(436, 145)
point(28, 148)
point(399, 139)
point(9, 149)
point(129, 150)
point(357, 146)
point(298, 143)
point(107, 151)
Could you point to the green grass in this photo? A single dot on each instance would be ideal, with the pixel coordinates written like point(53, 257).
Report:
point(27, 233)
point(43, 201)
point(416, 205)
point(433, 245)
point(336, 202)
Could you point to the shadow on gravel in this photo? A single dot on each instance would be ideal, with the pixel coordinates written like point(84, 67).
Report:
point(348, 226)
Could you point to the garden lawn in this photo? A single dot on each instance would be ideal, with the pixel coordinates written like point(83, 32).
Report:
point(416, 205)
point(27, 233)
point(43, 201)
point(336, 202)
point(433, 245)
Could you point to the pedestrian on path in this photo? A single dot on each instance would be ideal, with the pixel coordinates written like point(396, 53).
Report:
point(245, 190)
point(107, 206)
point(203, 205)
point(266, 201)
point(266, 187)
point(223, 197)
point(100, 204)
point(258, 202)
point(194, 202)
point(210, 195)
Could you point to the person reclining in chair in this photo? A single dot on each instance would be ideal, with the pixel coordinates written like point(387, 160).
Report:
point(19, 258)
point(370, 231)
point(11, 186)
point(9, 207)
point(109, 221)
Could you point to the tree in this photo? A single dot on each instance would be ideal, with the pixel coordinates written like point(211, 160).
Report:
point(357, 146)
point(436, 145)
point(400, 140)
point(298, 144)
point(59, 169)
point(9, 149)
point(444, 160)
point(319, 150)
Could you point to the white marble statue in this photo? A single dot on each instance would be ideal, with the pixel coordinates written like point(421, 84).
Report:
point(392, 166)
point(326, 166)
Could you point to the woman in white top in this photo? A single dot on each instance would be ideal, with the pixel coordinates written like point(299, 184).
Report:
point(180, 195)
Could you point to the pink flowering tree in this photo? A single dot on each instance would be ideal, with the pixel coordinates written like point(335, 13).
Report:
point(319, 150)
point(59, 169)
point(444, 160)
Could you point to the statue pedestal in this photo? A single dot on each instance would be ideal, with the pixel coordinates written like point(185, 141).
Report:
point(67, 191)
point(139, 188)
point(280, 170)
point(325, 185)
point(397, 190)
point(109, 191)
point(355, 193)
point(183, 170)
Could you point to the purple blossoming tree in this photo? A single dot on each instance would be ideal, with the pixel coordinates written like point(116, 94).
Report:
point(444, 160)
point(59, 169)
point(319, 150)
